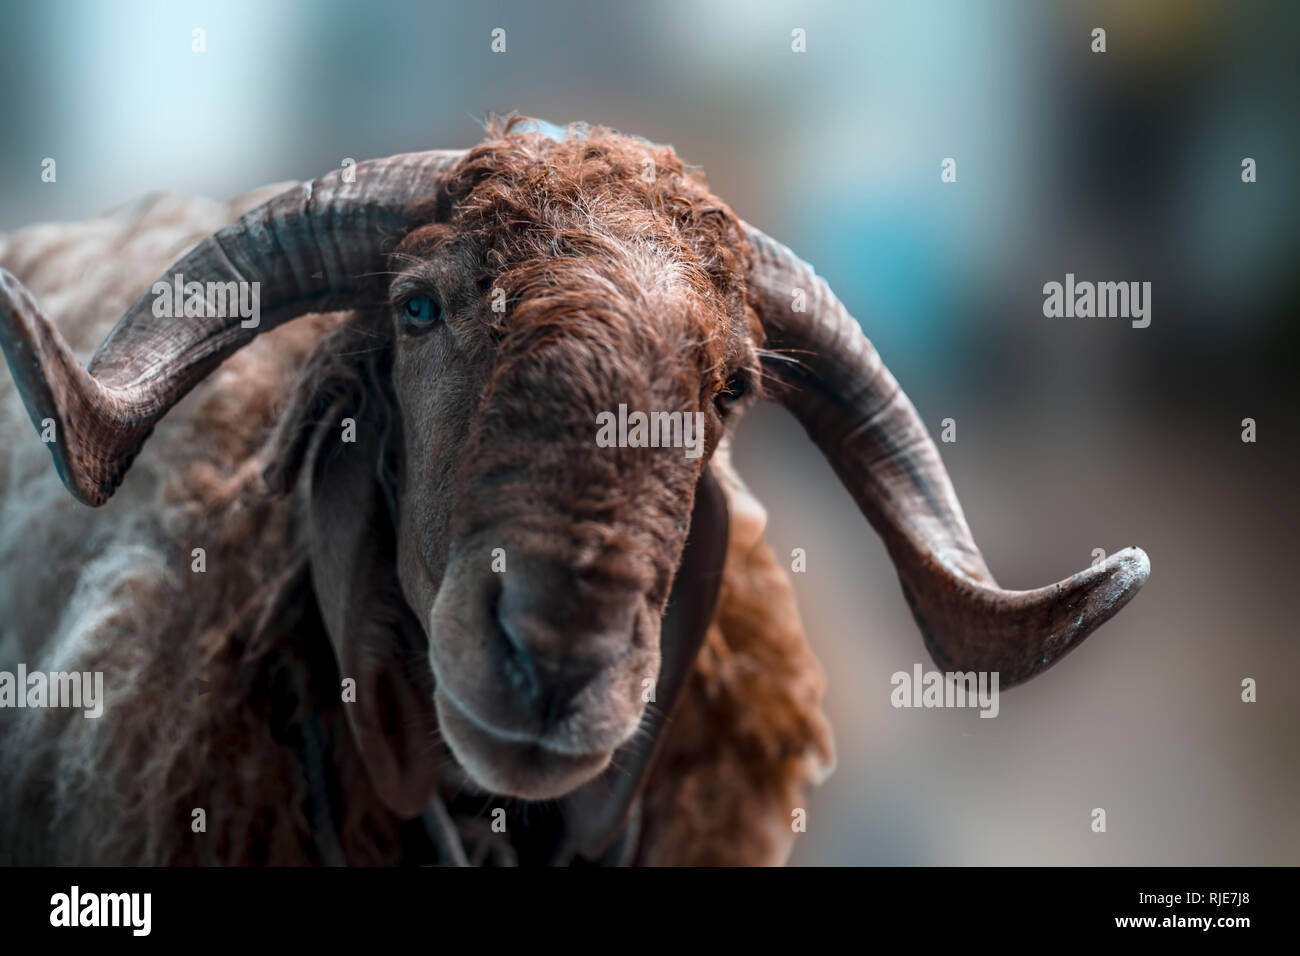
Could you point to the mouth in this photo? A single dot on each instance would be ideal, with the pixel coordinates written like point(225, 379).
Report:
point(516, 767)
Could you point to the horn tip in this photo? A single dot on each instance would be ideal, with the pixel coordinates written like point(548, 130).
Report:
point(1099, 593)
point(46, 377)
point(1127, 571)
point(1092, 597)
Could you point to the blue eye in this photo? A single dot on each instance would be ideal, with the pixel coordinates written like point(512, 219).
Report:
point(420, 310)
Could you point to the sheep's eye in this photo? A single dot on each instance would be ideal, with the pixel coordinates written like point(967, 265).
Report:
point(420, 311)
point(737, 387)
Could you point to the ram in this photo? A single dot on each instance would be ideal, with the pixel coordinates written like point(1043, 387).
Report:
point(375, 593)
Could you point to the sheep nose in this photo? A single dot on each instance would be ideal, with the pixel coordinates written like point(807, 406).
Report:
point(553, 639)
point(543, 686)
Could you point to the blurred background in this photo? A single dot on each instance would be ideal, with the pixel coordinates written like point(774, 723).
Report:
point(1072, 434)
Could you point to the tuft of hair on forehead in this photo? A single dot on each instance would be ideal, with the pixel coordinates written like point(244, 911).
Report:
point(601, 208)
point(524, 186)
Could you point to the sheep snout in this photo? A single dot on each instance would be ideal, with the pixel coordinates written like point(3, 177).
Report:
point(539, 671)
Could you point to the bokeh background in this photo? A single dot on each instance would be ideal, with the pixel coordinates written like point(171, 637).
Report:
point(1071, 434)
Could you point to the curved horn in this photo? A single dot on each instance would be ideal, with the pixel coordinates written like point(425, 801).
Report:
point(308, 250)
point(852, 407)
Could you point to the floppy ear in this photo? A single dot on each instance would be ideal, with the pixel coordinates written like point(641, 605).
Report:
point(377, 640)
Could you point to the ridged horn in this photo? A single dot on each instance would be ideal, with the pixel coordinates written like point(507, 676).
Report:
point(308, 249)
point(832, 379)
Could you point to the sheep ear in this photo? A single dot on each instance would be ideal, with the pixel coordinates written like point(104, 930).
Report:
point(378, 643)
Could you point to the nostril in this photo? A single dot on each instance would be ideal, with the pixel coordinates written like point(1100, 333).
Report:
point(553, 640)
point(545, 685)
point(517, 661)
